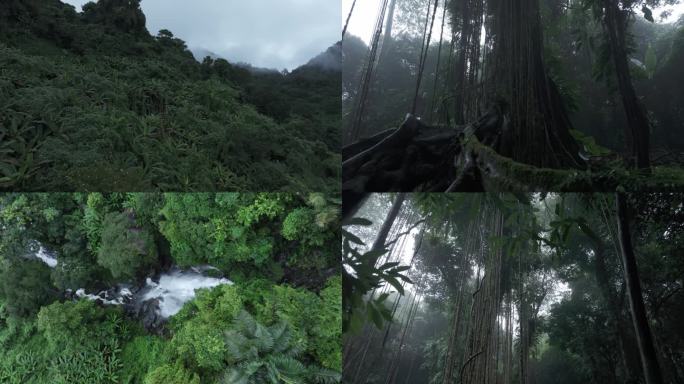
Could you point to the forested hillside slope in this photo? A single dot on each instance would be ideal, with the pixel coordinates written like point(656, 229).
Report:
point(92, 101)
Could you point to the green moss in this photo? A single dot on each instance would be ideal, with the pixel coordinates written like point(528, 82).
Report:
point(503, 174)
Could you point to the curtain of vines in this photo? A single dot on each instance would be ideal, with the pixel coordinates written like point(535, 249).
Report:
point(485, 313)
point(470, 14)
point(356, 356)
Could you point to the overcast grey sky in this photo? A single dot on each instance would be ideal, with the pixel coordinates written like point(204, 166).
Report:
point(365, 12)
point(265, 33)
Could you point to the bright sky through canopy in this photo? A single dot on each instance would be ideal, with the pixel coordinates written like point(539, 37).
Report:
point(265, 33)
point(366, 11)
point(677, 12)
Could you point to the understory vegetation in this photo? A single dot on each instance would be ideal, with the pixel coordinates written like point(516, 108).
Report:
point(279, 321)
point(525, 288)
point(92, 101)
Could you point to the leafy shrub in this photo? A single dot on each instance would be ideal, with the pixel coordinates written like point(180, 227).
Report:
point(313, 318)
point(139, 356)
point(93, 214)
point(313, 327)
point(83, 342)
point(77, 271)
point(198, 338)
point(200, 345)
point(21, 368)
point(256, 353)
point(297, 223)
point(97, 206)
point(187, 226)
point(327, 326)
point(85, 366)
point(125, 250)
point(71, 324)
point(25, 286)
point(171, 374)
point(222, 229)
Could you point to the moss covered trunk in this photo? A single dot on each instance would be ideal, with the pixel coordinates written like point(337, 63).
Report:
point(637, 129)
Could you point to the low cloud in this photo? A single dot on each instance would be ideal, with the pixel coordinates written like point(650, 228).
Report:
point(265, 33)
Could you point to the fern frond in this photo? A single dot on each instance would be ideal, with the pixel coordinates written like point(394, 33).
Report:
point(323, 376)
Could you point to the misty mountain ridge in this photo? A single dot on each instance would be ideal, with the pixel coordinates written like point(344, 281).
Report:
point(200, 53)
point(329, 60)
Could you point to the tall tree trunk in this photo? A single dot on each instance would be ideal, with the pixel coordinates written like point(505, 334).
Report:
point(381, 239)
point(388, 25)
point(480, 344)
point(524, 353)
point(387, 41)
point(461, 63)
point(649, 359)
point(346, 23)
point(638, 130)
point(539, 125)
point(460, 286)
point(630, 361)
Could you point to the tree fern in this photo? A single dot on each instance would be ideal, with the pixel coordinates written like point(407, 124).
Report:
point(260, 354)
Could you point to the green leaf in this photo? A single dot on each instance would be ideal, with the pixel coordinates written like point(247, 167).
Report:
point(395, 283)
point(389, 265)
point(406, 279)
point(566, 232)
point(375, 315)
point(373, 256)
point(648, 15)
point(385, 312)
point(359, 221)
point(353, 238)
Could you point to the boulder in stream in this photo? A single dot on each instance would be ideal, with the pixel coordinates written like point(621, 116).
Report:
point(150, 315)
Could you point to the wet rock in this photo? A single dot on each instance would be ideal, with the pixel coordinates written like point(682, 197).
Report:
point(134, 288)
point(69, 295)
point(109, 294)
point(208, 271)
point(158, 297)
point(150, 315)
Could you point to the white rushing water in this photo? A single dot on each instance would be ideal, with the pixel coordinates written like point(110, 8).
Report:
point(175, 288)
point(120, 298)
point(47, 258)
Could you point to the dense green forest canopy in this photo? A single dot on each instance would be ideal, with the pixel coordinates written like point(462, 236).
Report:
point(279, 321)
point(589, 85)
point(92, 101)
point(529, 288)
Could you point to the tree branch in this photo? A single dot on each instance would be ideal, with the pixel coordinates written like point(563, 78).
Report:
point(405, 233)
point(460, 375)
